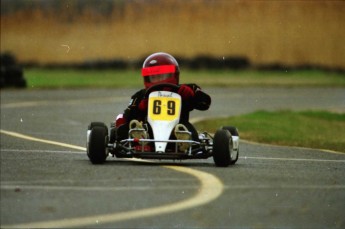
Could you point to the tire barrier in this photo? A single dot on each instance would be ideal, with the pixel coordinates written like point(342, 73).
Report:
point(11, 73)
point(195, 63)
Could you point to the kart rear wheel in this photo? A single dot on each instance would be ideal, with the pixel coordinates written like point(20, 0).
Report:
point(97, 150)
point(222, 148)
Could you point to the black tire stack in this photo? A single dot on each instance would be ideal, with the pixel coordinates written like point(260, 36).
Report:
point(11, 73)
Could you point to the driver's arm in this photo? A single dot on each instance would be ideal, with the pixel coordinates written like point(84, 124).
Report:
point(134, 110)
point(201, 100)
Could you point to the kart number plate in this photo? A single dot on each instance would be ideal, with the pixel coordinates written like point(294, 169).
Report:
point(164, 108)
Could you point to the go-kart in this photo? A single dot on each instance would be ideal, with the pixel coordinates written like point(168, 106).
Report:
point(159, 135)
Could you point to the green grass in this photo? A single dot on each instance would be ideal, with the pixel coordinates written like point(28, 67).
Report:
point(314, 129)
point(308, 78)
point(59, 78)
point(62, 78)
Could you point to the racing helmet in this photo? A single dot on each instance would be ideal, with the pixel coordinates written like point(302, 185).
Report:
point(160, 67)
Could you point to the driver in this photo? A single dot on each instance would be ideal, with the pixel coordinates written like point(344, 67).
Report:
point(161, 68)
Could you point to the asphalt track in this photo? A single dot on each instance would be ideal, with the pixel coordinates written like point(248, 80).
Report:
point(47, 180)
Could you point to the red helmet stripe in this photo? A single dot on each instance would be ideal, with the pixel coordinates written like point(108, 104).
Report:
point(157, 70)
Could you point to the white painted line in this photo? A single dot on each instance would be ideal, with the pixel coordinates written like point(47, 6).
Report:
point(198, 119)
point(94, 188)
point(292, 159)
point(20, 187)
point(133, 159)
point(210, 189)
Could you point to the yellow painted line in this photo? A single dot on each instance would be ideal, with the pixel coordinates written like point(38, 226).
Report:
point(64, 103)
point(210, 189)
point(23, 104)
point(26, 137)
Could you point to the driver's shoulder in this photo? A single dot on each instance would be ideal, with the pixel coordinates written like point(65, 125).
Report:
point(193, 86)
point(139, 93)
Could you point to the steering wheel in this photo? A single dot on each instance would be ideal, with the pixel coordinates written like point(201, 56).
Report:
point(157, 87)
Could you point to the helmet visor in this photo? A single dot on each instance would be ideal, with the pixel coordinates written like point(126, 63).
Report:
point(157, 78)
point(158, 70)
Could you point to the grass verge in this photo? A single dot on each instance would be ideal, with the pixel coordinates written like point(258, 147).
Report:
point(68, 78)
point(313, 129)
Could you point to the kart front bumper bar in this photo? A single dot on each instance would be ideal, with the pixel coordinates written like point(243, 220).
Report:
point(152, 140)
point(196, 149)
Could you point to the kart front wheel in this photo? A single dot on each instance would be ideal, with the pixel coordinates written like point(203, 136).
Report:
point(222, 148)
point(97, 146)
point(233, 130)
point(234, 153)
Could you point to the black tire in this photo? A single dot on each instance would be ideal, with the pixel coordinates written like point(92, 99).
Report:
point(234, 132)
point(97, 150)
point(222, 147)
point(21, 83)
point(93, 124)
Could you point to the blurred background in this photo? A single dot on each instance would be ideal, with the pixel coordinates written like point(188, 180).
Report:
point(257, 33)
